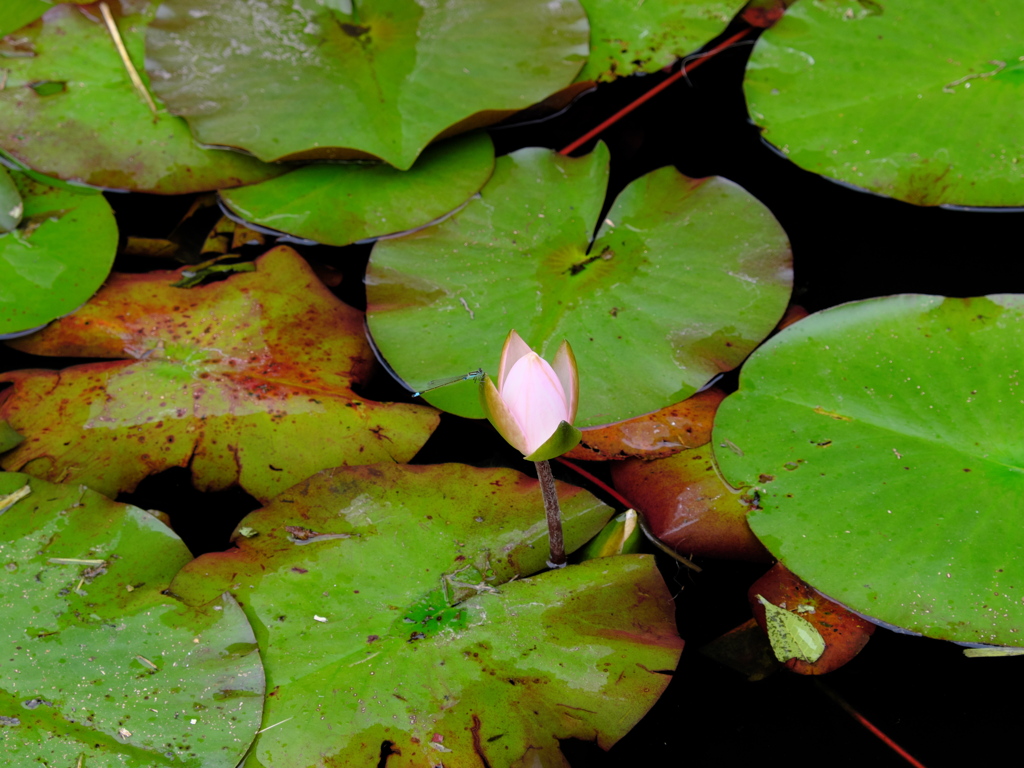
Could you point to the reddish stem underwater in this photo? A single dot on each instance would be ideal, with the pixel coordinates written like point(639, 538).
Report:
point(683, 71)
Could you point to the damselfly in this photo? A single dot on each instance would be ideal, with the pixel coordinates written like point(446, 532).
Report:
point(438, 383)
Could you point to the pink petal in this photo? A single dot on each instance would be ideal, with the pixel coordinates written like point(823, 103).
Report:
point(564, 366)
point(535, 398)
point(514, 350)
point(500, 416)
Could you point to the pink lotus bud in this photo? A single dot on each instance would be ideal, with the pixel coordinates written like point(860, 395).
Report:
point(534, 402)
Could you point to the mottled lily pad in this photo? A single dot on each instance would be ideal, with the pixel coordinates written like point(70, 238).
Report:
point(393, 620)
point(627, 37)
point(682, 280)
point(656, 435)
point(70, 111)
point(946, 130)
point(338, 204)
point(842, 633)
point(881, 440)
point(57, 256)
point(100, 668)
point(245, 381)
point(289, 79)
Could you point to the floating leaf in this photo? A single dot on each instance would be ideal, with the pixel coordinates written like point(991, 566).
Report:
point(245, 381)
point(338, 204)
point(627, 37)
point(387, 604)
point(882, 439)
point(688, 506)
point(58, 256)
point(989, 652)
point(117, 142)
point(653, 435)
point(100, 667)
point(843, 634)
point(307, 79)
point(682, 281)
point(946, 130)
point(791, 635)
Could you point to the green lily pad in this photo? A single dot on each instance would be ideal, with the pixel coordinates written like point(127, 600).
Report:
point(338, 204)
point(57, 257)
point(883, 440)
point(380, 78)
point(627, 37)
point(100, 667)
point(921, 103)
point(684, 278)
point(390, 623)
point(70, 111)
point(15, 14)
point(245, 381)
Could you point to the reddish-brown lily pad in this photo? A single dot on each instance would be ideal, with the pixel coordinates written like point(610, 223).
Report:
point(688, 505)
point(246, 381)
point(844, 633)
point(653, 435)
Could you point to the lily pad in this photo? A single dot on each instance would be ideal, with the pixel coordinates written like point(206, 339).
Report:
point(75, 85)
point(57, 257)
point(683, 279)
point(842, 634)
point(946, 130)
point(290, 79)
point(392, 621)
point(627, 37)
point(654, 435)
point(245, 381)
point(689, 507)
point(338, 204)
point(882, 440)
point(100, 667)
point(17, 13)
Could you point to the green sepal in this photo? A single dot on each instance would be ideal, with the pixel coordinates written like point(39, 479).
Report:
point(621, 536)
point(11, 206)
point(565, 438)
point(9, 437)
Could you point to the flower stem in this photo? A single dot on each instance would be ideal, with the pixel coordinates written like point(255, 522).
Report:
point(554, 514)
